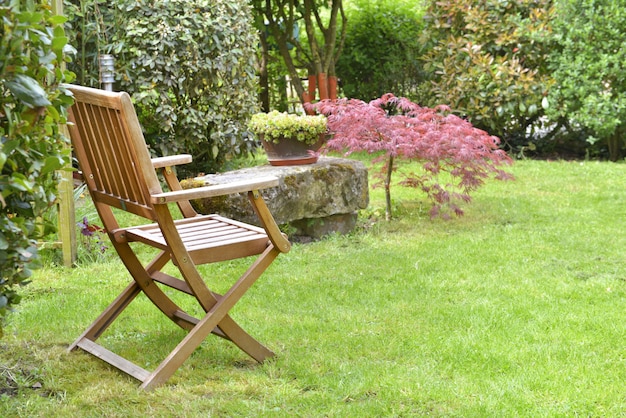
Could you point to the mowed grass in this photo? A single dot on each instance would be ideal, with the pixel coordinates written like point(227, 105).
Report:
point(515, 309)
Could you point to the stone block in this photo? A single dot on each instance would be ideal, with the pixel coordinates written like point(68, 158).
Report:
point(314, 199)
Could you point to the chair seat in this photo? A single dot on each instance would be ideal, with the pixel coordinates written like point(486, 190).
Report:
point(202, 235)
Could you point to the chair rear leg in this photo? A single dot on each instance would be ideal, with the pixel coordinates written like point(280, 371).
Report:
point(145, 282)
point(243, 340)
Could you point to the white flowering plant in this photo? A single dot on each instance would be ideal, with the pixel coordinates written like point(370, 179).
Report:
point(274, 126)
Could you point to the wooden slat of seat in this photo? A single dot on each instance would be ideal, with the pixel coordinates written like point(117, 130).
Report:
point(189, 232)
point(198, 241)
point(244, 225)
point(188, 228)
point(223, 241)
point(217, 218)
point(202, 233)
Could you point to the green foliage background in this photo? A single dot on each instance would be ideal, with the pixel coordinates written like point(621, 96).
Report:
point(532, 72)
point(32, 148)
point(543, 75)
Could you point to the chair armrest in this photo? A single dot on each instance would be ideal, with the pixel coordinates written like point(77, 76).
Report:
point(215, 190)
point(171, 160)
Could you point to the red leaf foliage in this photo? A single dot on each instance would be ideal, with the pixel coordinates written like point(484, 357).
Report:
point(401, 129)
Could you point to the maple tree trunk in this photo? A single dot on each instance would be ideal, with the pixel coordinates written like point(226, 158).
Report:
point(326, 85)
point(388, 214)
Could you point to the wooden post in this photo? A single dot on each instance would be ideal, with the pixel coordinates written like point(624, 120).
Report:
point(67, 216)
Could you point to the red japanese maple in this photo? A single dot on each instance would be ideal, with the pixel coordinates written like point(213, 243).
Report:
point(397, 128)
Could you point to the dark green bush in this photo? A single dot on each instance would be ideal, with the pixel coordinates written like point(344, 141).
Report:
point(32, 147)
point(381, 50)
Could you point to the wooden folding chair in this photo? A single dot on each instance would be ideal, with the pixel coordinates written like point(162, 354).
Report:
point(119, 173)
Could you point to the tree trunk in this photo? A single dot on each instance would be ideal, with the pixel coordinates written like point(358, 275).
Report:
point(388, 214)
point(282, 31)
point(332, 87)
point(323, 57)
point(282, 16)
point(312, 88)
point(616, 145)
point(322, 83)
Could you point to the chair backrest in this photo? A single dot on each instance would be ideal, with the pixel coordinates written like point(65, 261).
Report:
point(111, 150)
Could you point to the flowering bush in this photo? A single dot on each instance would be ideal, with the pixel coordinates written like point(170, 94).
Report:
point(275, 125)
point(399, 128)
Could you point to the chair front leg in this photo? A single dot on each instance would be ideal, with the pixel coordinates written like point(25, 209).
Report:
point(211, 320)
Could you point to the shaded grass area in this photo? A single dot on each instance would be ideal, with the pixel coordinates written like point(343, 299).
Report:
point(514, 309)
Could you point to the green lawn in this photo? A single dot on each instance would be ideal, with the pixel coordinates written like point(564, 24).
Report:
point(515, 309)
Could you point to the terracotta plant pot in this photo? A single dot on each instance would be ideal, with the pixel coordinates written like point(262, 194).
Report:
point(290, 151)
point(292, 139)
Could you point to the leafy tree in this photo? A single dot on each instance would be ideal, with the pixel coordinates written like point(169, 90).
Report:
point(190, 66)
point(323, 22)
point(488, 61)
point(381, 49)
point(588, 67)
point(32, 106)
point(400, 129)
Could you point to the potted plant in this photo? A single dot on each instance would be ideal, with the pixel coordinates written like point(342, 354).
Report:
point(289, 139)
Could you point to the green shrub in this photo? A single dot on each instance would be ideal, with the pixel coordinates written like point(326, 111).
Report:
point(32, 147)
point(381, 50)
point(189, 66)
point(488, 61)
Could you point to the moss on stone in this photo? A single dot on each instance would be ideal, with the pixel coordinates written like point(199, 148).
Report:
point(290, 181)
point(206, 206)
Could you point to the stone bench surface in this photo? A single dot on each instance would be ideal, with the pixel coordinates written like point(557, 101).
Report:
point(316, 199)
